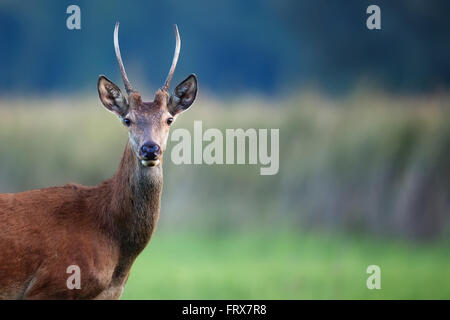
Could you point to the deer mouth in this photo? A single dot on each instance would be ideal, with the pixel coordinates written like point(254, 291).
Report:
point(150, 163)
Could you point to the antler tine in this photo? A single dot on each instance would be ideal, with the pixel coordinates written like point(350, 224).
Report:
point(126, 82)
point(175, 59)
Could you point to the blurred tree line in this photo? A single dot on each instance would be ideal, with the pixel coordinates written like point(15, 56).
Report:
point(264, 46)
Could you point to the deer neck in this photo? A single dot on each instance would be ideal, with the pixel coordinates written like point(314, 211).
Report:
point(134, 204)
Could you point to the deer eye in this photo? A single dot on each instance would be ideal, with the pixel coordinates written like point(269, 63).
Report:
point(169, 121)
point(127, 122)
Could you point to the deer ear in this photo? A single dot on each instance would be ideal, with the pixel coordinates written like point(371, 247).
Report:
point(183, 95)
point(111, 96)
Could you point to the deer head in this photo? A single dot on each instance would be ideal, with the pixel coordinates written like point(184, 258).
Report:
point(148, 123)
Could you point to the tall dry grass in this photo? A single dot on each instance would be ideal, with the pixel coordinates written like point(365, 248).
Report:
point(369, 162)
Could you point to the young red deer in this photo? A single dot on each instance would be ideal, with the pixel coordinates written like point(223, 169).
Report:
point(100, 229)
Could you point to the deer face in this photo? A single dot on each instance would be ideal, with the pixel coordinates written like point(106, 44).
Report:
point(148, 123)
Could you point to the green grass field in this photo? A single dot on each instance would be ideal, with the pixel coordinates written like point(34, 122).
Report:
point(286, 266)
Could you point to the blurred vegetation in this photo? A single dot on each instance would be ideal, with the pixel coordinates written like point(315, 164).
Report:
point(360, 177)
point(265, 46)
point(368, 162)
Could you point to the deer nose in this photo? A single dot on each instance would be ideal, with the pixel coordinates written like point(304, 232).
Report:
point(150, 151)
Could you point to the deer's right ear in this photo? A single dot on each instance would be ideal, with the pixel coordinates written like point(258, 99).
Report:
point(183, 95)
point(111, 96)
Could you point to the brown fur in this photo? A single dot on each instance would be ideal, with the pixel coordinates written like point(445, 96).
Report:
point(100, 229)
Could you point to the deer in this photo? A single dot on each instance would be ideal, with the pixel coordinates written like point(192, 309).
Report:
point(99, 229)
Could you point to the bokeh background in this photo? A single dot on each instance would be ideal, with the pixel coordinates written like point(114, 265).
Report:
point(364, 125)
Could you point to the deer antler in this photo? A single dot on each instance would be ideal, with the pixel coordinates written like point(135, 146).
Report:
point(174, 61)
point(126, 82)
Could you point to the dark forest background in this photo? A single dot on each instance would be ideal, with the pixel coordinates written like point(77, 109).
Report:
point(264, 46)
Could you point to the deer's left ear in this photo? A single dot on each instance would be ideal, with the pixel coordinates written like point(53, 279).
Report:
point(111, 96)
point(183, 95)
